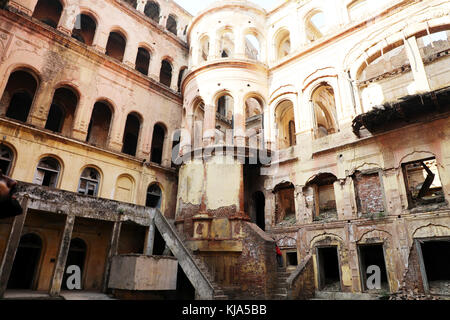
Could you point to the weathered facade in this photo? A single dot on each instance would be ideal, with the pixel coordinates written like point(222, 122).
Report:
point(321, 126)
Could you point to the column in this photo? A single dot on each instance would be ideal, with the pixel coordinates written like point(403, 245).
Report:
point(11, 247)
point(239, 122)
point(58, 273)
point(417, 66)
point(41, 105)
point(26, 7)
point(213, 47)
point(68, 18)
point(150, 241)
point(131, 49)
point(141, 5)
point(209, 125)
point(113, 250)
point(239, 38)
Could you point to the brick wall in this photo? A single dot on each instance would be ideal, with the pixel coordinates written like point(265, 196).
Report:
point(369, 193)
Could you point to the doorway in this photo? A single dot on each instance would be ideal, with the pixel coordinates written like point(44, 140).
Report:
point(75, 257)
point(328, 269)
point(435, 266)
point(26, 263)
point(373, 255)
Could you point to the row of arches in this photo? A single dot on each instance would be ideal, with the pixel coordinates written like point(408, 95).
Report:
point(152, 10)
point(85, 31)
point(282, 117)
point(49, 172)
point(225, 43)
point(17, 101)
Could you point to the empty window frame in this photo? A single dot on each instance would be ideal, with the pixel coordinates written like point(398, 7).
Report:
point(115, 48)
point(6, 159)
point(171, 24)
point(47, 172)
point(165, 75)
point(422, 182)
point(284, 203)
point(89, 182)
point(152, 11)
point(84, 29)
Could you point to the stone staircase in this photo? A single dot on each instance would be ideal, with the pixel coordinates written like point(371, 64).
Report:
point(281, 289)
point(195, 269)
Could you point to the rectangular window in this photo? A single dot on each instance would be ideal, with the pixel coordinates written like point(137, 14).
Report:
point(423, 185)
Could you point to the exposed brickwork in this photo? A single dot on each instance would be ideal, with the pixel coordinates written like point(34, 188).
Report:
point(369, 193)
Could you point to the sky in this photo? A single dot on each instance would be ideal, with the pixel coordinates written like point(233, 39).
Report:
point(195, 6)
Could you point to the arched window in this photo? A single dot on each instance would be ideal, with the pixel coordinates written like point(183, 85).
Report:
point(283, 44)
point(84, 29)
point(131, 134)
point(98, 131)
point(89, 182)
point(172, 24)
point(315, 26)
point(165, 75)
point(6, 159)
point(62, 111)
point(252, 47)
point(180, 78)
point(324, 104)
point(285, 122)
point(132, 3)
point(48, 11)
point(152, 10)
point(254, 122)
point(143, 61)
point(115, 47)
point(204, 49)
point(227, 44)
point(197, 130)
point(18, 95)
point(159, 135)
point(154, 196)
point(47, 172)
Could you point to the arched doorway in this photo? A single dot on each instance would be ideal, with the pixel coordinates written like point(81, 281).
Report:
point(26, 262)
point(259, 205)
point(75, 257)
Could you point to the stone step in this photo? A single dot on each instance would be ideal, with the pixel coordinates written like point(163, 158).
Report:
point(222, 297)
point(278, 296)
point(328, 295)
point(283, 274)
point(281, 291)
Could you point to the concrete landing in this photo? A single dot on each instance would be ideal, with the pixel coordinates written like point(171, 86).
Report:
point(83, 295)
point(28, 295)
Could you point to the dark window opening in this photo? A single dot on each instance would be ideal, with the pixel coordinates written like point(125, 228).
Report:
point(98, 130)
point(131, 135)
point(26, 262)
point(47, 173)
point(89, 182)
point(373, 255)
point(157, 144)
point(328, 268)
point(152, 10)
point(285, 203)
point(55, 118)
point(48, 11)
point(6, 158)
point(180, 79)
point(172, 24)
point(176, 141)
point(154, 197)
point(115, 48)
point(62, 111)
point(292, 136)
point(291, 259)
point(75, 257)
point(436, 261)
point(18, 95)
point(132, 3)
point(260, 205)
point(224, 54)
point(84, 30)
point(165, 76)
point(423, 184)
point(143, 61)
